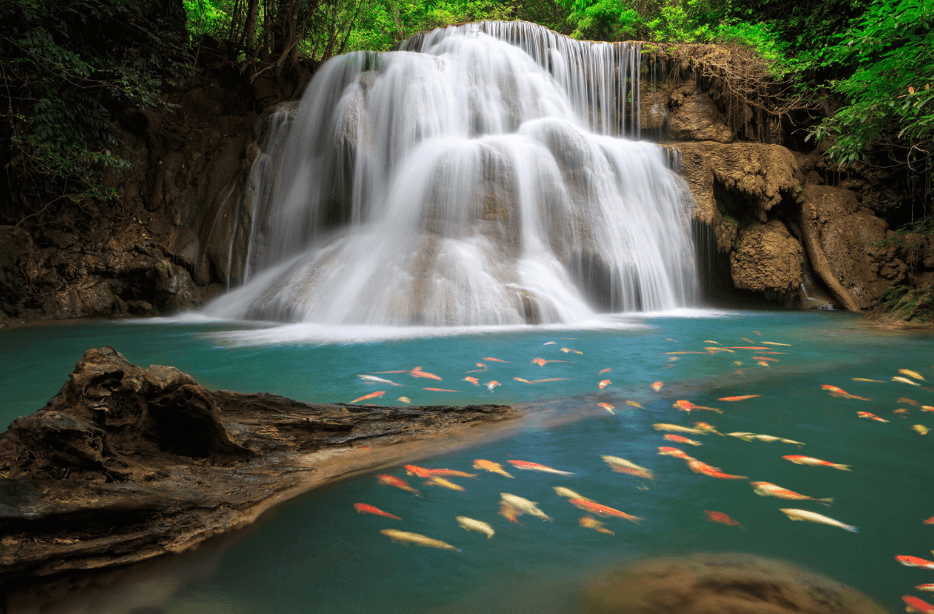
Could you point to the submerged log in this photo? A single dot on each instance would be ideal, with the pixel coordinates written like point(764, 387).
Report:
point(125, 463)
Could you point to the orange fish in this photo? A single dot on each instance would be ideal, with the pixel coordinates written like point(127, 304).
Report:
point(472, 380)
point(417, 372)
point(602, 510)
point(363, 508)
point(748, 340)
point(714, 472)
point(491, 467)
point(740, 398)
point(440, 390)
point(900, 411)
point(569, 350)
point(722, 519)
point(492, 384)
point(814, 462)
point(589, 522)
point(767, 489)
point(509, 512)
point(607, 407)
point(602, 371)
point(389, 480)
point(524, 381)
point(366, 397)
point(913, 561)
point(913, 604)
point(549, 379)
point(929, 520)
point(927, 408)
point(908, 402)
point(656, 386)
point(518, 464)
point(604, 383)
point(870, 416)
point(765, 359)
point(688, 406)
point(680, 439)
point(925, 587)
point(494, 359)
point(833, 389)
point(762, 363)
point(706, 427)
point(452, 472)
point(666, 451)
point(436, 481)
point(747, 347)
point(541, 362)
point(416, 471)
point(633, 404)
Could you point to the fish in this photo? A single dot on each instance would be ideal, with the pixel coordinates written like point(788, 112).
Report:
point(439, 481)
point(680, 439)
point(525, 506)
point(908, 401)
point(863, 379)
point(723, 519)
point(417, 372)
point(913, 604)
point(509, 512)
point(661, 426)
point(389, 480)
point(656, 386)
point(929, 520)
point(524, 381)
point(687, 406)
point(765, 359)
point(739, 398)
point(621, 465)
point(912, 374)
point(367, 397)
point(900, 412)
point(905, 381)
point(748, 340)
point(439, 390)
point(568, 493)
point(602, 371)
point(363, 508)
point(416, 471)
point(762, 363)
point(490, 466)
point(924, 587)
point(776, 343)
point(472, 380)
point(706, 428)
point(766, 438)
point(714, 350)
point(607, 407)
point(927, 408)
point(404, 537)
point(603, 510)
point(870, 416)
point(767, 489)
point(711, 341)
point(814, 462)
point(472, 524)
point(490, 358)
point(518, 464)
point(738, 364)
point(704, 469)
point(747, 347)
point(541, 362)
point(913, 561)
point(377, 380)
point(549, 379)
point(667, 451)
point(920, 428)
point(550, 343)
point(451, 472)
point(566, 350)
point(633, 404)
point(492, 384)
point(589, 522)
point(604, 383)
point(795, 514)
point(405, 399)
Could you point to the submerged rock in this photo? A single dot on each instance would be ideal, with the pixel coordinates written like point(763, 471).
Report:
point(769, 260)
point(737, 583)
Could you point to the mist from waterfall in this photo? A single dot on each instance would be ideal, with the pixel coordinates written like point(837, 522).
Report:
point(486, 175)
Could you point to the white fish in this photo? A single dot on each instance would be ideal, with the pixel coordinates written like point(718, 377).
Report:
point(377, 380)
point(568, 493)
point(904, 380)
point(470, 524)
point(661, 426)
point(795, 514)
point(404, 537)
point(524, 505)
point(621, 465)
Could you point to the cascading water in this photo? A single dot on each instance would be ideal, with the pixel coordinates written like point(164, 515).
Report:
point(479, 177)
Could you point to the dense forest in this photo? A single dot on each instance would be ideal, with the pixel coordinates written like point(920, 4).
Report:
point(853, 76)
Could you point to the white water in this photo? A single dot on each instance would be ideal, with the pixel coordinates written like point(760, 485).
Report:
point(479, 180)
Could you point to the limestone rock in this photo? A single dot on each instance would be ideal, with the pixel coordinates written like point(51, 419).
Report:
point(767, 259)
point(696, 118)
point(186, 248)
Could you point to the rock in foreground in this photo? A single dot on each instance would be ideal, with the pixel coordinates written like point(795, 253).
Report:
point(127, 463)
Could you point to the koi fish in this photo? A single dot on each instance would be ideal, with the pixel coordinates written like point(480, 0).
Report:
point(493, 359)
point(688, 406)
point(472, 380)
point(416, 471)
point(550, 343)
point(839, 392)
point(863, 379)
point(367, 397)
point(661, 426)
point(417, 372)
point(927, 408)
point(524, 381)
point(604, 383)
point(765, 438)
point(568, 493)
point(913, 561)
point(621, 465)
point(438, 481)
point(541, 362)
point(666, 451)
point(404, 537)
point(912, 374)
point(795, 514)
point(907, 401)
point(589, 522)
point(602, 371)
point(389, 480)
point(762, 363)
point(747, 347)
point(929, 520)
point(714, 472)
point(405, 400)
point(870, 416)
point(549, 379)
point(656, 386)
point(439, 390)
point(921, 429)
point(711, 341)
point(509, 512)
point(567, 350)
point(901, 412)
point(471, 524)
point(924, 587)
point(814, 462)
point(739, 398)
point(607, 407)
point(518, 464)
point(377, 380)
point(748, 340)
point(905, 381)
point(490, 466)
point(913, 604)
point(492, 384)
point(766, 489)
point(706, 428)
point(525, 506)
point(723, 519)
point(363, 508)
point(451, 472)
point(765, 359)
point(776, 343)
point(680, 439)
point(635, 404)
point(714, 350)
point(602, 510)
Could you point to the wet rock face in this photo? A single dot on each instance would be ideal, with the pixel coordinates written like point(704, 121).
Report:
point(767, 259)
point(695, 117)
point(719, 583)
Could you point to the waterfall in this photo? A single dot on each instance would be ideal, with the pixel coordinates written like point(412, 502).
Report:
point(489, 173)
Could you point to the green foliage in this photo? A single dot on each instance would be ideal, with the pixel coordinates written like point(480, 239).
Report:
point(912, 306)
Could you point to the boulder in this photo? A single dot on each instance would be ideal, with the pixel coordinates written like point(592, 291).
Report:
point(767, 259)
point(695, 117)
